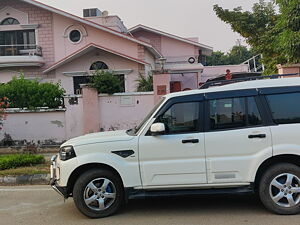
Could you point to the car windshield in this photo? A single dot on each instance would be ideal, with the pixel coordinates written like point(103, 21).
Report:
point(135, 130)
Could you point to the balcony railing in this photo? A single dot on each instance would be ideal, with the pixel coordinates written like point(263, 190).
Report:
point(255, 64)
point(20, 50)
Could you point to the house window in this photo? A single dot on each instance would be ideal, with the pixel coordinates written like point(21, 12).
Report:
point(10, 21)
point(13, 42)
point(75, 36)
point(77, 81)
point(122, 80)
point(202, 58)
point(99, 65)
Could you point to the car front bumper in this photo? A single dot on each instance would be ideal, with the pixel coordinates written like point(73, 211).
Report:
point(62, 191)
point(54, 172)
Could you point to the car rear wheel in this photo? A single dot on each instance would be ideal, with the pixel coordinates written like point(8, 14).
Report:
point(98, 193)
point(279, 189)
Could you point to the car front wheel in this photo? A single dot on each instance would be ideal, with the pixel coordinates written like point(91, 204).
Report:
point(279, 189)
point(98, 193)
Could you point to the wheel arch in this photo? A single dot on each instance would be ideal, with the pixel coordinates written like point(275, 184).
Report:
point(85, 167)
point(284, 158)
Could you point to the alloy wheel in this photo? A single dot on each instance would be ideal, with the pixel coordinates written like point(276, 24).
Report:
point(284, 190)
point(99, 194)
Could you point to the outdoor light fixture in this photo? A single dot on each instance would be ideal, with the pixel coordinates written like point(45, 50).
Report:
point(162, 62)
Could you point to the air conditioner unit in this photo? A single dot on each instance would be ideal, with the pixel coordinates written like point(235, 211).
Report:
point(91, 12)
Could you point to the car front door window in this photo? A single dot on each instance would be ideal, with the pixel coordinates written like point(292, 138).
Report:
point(181, 118)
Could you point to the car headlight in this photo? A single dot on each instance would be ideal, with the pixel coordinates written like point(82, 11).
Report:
point(66, 153)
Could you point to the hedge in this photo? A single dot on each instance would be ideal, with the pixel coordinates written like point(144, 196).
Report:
point(19, 160)
point(31, 94)
point(105, 82)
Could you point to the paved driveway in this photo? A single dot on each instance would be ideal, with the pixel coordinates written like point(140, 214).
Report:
point(39, 205)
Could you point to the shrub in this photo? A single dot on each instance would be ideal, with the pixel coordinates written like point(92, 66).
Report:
point(19, 160)
point(105, 82)
point(145, 83)
point(22, 93)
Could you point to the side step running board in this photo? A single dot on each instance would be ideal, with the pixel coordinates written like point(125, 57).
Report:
point(141, 194)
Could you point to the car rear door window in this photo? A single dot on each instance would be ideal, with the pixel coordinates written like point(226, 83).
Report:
point(285, 107)
point(232, 113)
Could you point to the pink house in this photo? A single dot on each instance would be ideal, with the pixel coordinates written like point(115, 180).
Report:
point(52, 45)
point(55, 46)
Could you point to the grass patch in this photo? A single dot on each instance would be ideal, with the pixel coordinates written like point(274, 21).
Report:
point(20, 160)
point(30, 170)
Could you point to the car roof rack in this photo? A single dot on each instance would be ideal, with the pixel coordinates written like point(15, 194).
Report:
point(236, 80)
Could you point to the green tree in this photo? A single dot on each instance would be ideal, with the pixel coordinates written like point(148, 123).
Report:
point(239, 54)
point(236, 55)
point(289, 26)
point(275, 36)
point(217, 58)
point(23, 93)
point(145, 83)
point(106, 82)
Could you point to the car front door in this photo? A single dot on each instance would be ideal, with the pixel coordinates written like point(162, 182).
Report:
point(237, 141)
point(176, 157)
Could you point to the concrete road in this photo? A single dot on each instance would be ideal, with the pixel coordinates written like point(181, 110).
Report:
point(39, 205)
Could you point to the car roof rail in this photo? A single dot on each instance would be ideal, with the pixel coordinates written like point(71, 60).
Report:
point(236, 80)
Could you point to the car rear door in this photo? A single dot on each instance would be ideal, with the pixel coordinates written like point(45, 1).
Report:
point(237, 140)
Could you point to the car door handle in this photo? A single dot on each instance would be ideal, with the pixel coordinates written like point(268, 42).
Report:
point(257, 136)
point(190, 141)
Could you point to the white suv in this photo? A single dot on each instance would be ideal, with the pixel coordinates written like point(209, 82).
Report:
point(238, 138)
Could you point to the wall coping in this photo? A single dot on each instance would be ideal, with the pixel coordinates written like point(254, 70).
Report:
point(38, 110)
point(296, 65)
point(127, 94)
point(218, 66)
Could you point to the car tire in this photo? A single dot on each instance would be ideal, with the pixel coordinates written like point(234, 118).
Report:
point(279, 189)
point(98, 193)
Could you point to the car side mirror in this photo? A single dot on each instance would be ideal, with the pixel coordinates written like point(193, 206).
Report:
point(157, 128)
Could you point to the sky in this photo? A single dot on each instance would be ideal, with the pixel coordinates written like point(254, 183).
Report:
point(185, 18)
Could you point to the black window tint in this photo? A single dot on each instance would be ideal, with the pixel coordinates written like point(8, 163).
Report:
point(227, 113)
point(181, 118)
point(121, 77)
point(99, 65)
point(77, 81)
point(75, 36)
point(254, 117)
point(285, 108)
point(10, 21)
point(11, 42)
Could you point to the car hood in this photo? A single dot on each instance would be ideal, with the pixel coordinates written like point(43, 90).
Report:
point(101, 137)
